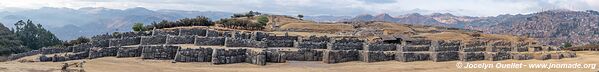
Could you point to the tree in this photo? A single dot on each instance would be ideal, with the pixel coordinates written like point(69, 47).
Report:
point(138, 27)
point(35, 36)
point(77, 41)
point(262, 20)
point(567, 45)
point(9, 42)
point(300, 16)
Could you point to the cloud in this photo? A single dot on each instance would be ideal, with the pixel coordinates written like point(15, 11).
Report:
point(378, 1)
point(323, 7)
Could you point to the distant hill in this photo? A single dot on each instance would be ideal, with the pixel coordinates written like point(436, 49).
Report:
point(549, 27)
point(437, 19)
point(69, 23)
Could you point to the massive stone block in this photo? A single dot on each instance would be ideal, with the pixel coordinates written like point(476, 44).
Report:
point(445, 45)
point(311, 45)
point(153, 40)
point(101, 43)
point(210, 41)
point(125, 41)
point(256, 57)
point(414, 48)
point(228, 56)
point(81, 47)
point(24, 54)
point(315, 39)
point(474, 46)
point(412, 56)
point(280, 41)
point(129, 52)
point(234, 42)
point(159, 52)
point(98, 52)
point(180, 39)
point(213, 33)
point(275, 56)
point(194, 55)
point(338, 56)
point(376, 56)
point(165, 32)
point(52, 50)
point(258, 35)
point(381, 47)
point(192, 31)
point(346, 44)
point(472, 56)
point(77, 56)
point(304, 55)
point(445, 56)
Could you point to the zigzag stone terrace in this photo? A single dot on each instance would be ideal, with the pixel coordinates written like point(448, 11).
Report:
point(204, 44)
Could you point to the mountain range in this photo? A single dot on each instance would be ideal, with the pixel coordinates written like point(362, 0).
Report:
point(553, 27)
point(68, 23)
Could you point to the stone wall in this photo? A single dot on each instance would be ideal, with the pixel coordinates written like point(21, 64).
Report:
point(153, 40)
point(499, 50)
point(98, 52)
point(165, 32)
point(192, 31)
point(445, 50)
point(228, 56)
point(81, 47)
point(24, 54)
point(234, 42)
point(338, 56)
point(376, 56)
point(129, 52)
point(275, 56)
point(159, 52)
point(473, 50)
point(125, 41)
point(210, 41)
point(180, 39)
point(280, 41)
point(380, 47)
point(312, 42)
point(54, 58)
point(346, 44)
point(101, 43)
point(77, 56)
point(213, 33)
point(258, 35)
point(256, 57)
point(311, 45)
point(303, 55)
point(52, 50)
point(194, 55)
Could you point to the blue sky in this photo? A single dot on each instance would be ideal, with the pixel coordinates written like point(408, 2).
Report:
point(322, 7)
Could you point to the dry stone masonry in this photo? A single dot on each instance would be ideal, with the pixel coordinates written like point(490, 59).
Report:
point(219, 46)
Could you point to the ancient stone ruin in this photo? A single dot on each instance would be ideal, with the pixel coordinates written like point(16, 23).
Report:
point(261, 48)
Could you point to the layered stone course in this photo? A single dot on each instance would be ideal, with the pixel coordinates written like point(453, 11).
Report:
point(159, 52)
point(194, 55)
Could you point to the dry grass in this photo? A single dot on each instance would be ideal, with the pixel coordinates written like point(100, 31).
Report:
point(312, 27)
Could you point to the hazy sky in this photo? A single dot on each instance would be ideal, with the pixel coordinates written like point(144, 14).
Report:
point(322, 7)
